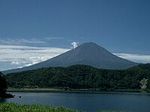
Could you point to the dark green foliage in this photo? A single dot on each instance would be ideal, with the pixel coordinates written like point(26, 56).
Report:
point(81, 76)
point(3, 85)
point(10, 107)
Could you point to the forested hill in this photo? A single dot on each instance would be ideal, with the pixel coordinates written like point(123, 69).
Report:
point(3, 87)
point(82, 76)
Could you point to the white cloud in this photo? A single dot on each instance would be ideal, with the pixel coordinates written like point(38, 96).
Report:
point(53, 38)
point(10, 41)
point(74, 44)
point(139, 58)
point(19, 56)
point(29, 41)
point(15, 56)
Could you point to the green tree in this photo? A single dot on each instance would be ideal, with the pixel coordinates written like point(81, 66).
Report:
point(3, 84)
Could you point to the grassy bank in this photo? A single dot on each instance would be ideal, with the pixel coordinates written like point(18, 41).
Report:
point(10, 107)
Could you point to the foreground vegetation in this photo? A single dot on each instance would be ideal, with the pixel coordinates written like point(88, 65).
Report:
point(83, 77)
point(10, 107)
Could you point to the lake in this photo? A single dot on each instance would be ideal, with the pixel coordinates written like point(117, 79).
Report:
point(126, 102)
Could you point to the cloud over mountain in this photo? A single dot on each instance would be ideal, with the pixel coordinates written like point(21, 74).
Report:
point(18, 56)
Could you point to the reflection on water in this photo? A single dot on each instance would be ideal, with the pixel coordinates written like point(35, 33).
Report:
point(2, 100)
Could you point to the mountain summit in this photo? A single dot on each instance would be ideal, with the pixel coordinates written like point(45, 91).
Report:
point(85, 54)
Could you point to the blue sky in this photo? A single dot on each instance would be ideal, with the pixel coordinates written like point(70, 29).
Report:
point(121, 26)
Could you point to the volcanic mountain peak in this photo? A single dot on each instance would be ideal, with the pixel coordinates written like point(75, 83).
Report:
point(85, 54)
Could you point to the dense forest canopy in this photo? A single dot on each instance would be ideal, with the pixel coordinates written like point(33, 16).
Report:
point(82, 76)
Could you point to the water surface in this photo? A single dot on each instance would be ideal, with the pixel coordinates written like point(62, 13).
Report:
point(87, 102)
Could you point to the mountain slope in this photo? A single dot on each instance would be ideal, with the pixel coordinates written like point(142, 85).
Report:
point(86, 54)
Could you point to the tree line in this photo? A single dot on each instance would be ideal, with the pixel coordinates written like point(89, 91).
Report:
point(3, 84)
point(3, 87)
point(82, 76)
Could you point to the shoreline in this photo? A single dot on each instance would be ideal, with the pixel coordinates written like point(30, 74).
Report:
point(6, 95)
point(56, 90)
